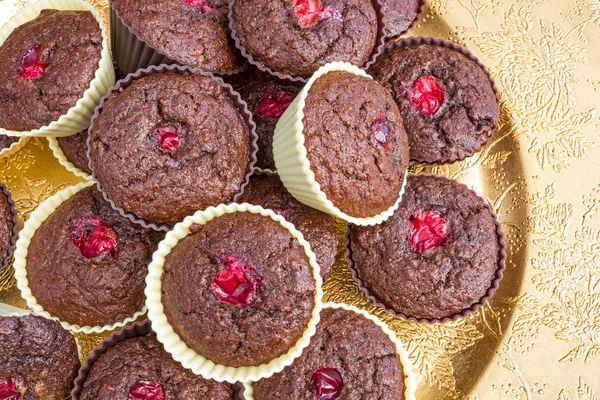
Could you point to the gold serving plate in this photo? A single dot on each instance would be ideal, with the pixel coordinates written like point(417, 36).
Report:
point(539, 336)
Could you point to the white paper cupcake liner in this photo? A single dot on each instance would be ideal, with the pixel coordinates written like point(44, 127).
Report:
point(64, 161)
point(410, 383)
point(172, 342)
point(14, 147)
point(78, 117)
point(292, 162)
point(36, 219)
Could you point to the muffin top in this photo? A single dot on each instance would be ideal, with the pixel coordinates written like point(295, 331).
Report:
point(436, 256)
point(6, 226)
point(95, 273)
point(170, 144)
point(267, 100)
point(356, 143)
point(317, 227)
point(193, 32)
point(138, 365)
point(398, 15)
point(7, 141)
point(350, 355)
point(45, 67)
point(38, 358)
point(447, 101)
point(240, 291)
point(296, 37)
point(75, 150)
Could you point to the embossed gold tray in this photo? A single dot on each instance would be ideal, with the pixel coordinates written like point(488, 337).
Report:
point(539, 336)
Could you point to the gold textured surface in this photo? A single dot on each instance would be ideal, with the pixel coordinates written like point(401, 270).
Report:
point(539, 337)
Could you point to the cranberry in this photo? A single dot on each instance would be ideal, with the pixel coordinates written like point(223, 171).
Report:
point(326, 383)
point(428, 231)
point(312, 11)
point(147, 390)
point(167, 136)
point(239, 284)
point(8, 390)
point(427, 95)
point(94, 237)
point(274, 102)
point(30, 66)
point(381, 131)
point(202, 6)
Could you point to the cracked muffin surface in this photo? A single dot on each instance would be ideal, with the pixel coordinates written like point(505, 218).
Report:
point(259, 258)
point(447, 101)
point(170, 144)
point(356, 348)
point(414, 270)
point(45, 67)
point(75, 150)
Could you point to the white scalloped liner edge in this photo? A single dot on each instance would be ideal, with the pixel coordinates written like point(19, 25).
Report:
point(14, 147)
point(36, 219)
point(410, 380)
point(64, 161)
point(77, 117)
point(9, 311)
point(171, 340)
point(292, 162)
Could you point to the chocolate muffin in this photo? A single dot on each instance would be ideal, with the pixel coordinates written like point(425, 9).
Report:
point(239, 291)
point(95, 273)
point(449, 106)
point(398, 16)
point(297, 37)
point(192, 32)
point(45, 67)
point(318, 228)
point(75, 149)
point(435, 257)
point(38, 359)
point(7, 141)
point(170, 144)
point(139, 366)
point(267, 99)
point(349, 357)
point(356, 143)
point(6, 226)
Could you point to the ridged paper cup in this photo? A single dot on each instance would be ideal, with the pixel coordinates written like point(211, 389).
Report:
point(379, 44)
point(78, 116)
point(5, 258)
point(36, 219)
point(410, 384)
point(126, 82)
point(14, 147)
point(292, 162)
point(461, 314)
point(64, 161)
point(173, 344)
point(7, 310)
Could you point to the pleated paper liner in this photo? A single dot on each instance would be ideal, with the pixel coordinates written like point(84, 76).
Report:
point(180, 351)
point(292, 161)
point(5, 259)
point(379, 44)
point(233, 95)
point(64, 161)
point(461, 314)
point(78, 116)
point(14, 147)
point(36, 219)
point(410, 383)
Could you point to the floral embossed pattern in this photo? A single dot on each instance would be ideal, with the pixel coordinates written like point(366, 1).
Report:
point(539, 337)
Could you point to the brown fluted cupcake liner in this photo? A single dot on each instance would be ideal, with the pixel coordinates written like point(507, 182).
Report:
point(128, 80)
point(15, 229)
point(463, 313)
point(420, 12)
point(132, 53)
point(136, 330)
point(377, 51)
point(415, 41)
